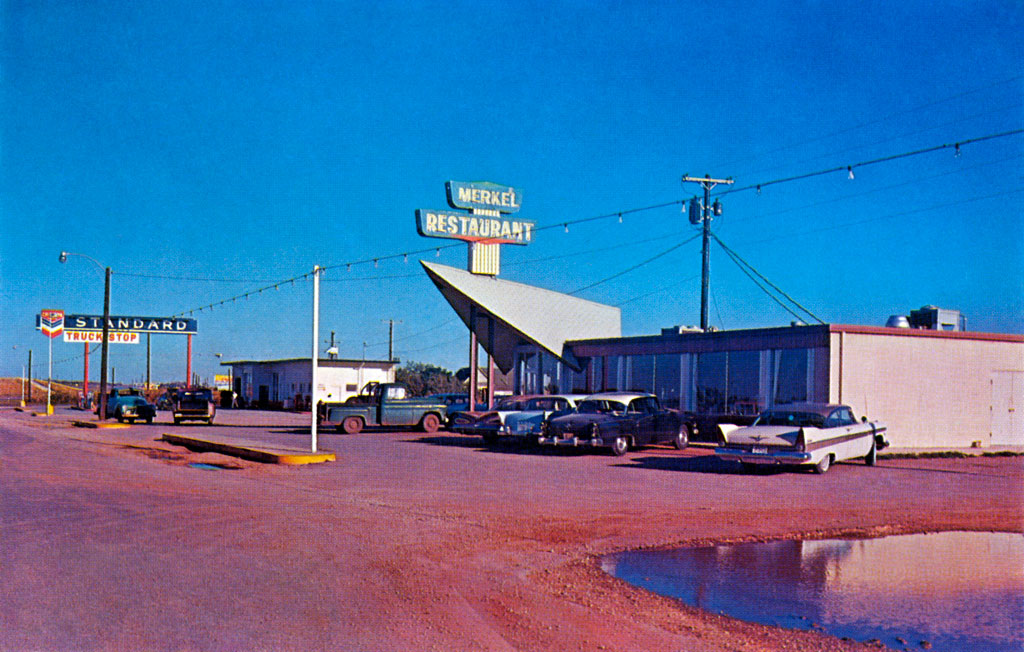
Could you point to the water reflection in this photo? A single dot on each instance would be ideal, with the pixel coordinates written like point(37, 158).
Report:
point(955, 590)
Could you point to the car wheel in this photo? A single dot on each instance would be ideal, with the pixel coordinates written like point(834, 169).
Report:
point(352, 425)
point(748, 467)
point(872, 455)
point(430, 423)
point(823, 465)
point(149, 421)
point(490, 438)
point(131, 421)
point(177, 421)
point(620, 446)
point(682, 438)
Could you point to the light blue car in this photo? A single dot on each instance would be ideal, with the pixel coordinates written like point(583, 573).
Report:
point(528, 422)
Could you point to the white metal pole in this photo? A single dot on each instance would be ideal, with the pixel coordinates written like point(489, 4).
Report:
point(316, 336)
point(49, 377)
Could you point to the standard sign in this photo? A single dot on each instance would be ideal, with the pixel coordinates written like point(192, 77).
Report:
point(473, 228)
point(168, 325)
point(93, 337)
point(484, 195)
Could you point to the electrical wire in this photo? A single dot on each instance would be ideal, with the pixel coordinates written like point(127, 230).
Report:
point(758, 186)
point(735, 256)
point(884, 159)
point(637, 266)
point(882, 119)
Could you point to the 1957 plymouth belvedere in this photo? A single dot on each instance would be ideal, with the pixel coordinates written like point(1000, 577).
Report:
point(805, 434)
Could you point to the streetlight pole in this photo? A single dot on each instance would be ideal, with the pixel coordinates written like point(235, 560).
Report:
point(106, 329)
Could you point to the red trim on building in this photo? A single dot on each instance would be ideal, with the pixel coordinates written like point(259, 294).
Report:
point(922, 332)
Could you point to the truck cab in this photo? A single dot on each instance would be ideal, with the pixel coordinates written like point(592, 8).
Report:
point(383, 404)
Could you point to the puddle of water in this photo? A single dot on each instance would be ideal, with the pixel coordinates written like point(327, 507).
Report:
point(954, 590)
point(205, 467)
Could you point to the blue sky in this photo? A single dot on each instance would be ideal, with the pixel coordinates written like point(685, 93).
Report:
point(233, 144)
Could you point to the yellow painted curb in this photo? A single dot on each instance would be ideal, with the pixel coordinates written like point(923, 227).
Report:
point(248, 452)
point(97, 424)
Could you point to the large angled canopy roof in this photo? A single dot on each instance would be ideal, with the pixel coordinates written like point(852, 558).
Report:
point(523, 314)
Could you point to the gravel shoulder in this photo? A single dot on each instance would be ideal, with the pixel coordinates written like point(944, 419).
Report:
point(411, 541)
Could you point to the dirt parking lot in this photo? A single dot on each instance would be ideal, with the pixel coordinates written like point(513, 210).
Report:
point(111, 541)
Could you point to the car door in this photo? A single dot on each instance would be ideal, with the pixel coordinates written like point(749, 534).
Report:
point(646, 420)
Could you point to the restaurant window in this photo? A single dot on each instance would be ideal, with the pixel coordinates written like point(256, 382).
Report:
point(614, 373)
point(743, 372)
point(711, 382)
point(596, 371)
point(790, 376)
point(667, 380)
point(641, 373)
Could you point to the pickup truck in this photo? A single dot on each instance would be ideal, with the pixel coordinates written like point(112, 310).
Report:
point(194, 405)
point(383, 404)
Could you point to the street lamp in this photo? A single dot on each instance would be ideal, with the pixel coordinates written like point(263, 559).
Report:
point(231, 377)
point(106, 329)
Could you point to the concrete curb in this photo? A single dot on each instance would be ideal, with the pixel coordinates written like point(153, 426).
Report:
point(97, 424)
point(249, 452)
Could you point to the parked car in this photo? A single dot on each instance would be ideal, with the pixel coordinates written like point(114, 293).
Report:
point(194, 405)
point(455, 403)
point(486, 424)
point(619, 421)
point(130, 408)
point(529, 422)
point(804, 434)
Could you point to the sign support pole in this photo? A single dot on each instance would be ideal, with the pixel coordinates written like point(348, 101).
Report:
point(49, 377)
point(490, 363)
point(316, 354)
point(104, 347)
point(85, 378)
point(473, 367)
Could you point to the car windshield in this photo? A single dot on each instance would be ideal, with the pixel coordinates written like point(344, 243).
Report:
point(790, 418)
point(136, 400)
point(595, 406)
point(511, 404)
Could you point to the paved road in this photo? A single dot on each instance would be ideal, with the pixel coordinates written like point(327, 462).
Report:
point(111, 541)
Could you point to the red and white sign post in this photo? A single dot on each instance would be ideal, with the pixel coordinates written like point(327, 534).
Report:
point(52, 324)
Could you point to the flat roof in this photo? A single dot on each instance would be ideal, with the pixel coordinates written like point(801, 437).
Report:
point(782, 337)
point(322, 362)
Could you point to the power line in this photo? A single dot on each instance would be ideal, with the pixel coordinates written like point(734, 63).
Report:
point(879, 120)
point(618, 214)
point(736, 257)
point(884, 159)
point(637, 266)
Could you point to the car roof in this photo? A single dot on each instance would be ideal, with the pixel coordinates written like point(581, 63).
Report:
point(824, 409)
point(622, 397)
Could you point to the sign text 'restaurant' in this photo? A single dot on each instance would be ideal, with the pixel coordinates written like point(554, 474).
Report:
point(474, 228)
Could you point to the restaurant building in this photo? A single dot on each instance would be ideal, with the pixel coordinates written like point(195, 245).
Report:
point(934, 384)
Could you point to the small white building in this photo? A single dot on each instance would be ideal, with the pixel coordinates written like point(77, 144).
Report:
point(286, 383)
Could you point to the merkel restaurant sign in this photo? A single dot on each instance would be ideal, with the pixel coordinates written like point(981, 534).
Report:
point(483, 218)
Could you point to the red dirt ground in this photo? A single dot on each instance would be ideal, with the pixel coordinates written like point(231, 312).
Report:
point(412, 542)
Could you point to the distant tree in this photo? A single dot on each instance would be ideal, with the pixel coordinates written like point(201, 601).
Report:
point(423, 379)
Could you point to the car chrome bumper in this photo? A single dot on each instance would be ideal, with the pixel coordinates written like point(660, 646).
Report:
point(569, 441)
point(771, 457)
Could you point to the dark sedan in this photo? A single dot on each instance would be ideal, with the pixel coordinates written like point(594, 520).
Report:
point(619, 421)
